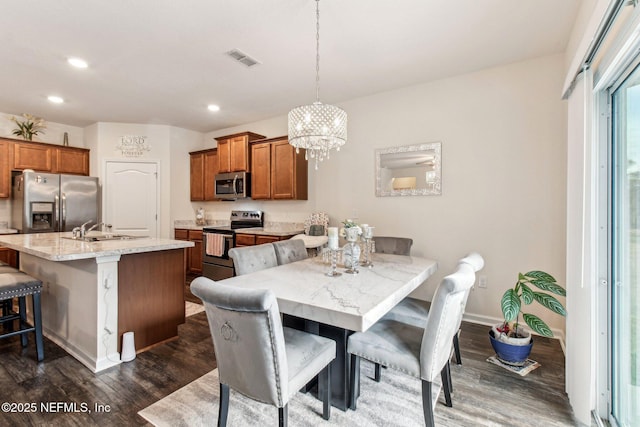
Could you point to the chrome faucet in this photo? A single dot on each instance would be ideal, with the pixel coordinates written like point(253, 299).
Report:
point(93, 227)
point(82, 228)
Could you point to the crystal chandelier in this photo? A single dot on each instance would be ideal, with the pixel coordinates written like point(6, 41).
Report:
point(318, 127)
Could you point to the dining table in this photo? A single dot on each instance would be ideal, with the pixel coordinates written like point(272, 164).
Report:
point(337, 306)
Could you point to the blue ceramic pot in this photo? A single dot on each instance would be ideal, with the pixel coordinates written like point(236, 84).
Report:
point(511, 354)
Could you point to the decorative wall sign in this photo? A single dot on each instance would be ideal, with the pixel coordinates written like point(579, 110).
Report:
point(133, 145)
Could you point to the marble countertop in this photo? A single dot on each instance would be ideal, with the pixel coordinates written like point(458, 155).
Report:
point(8, 231)
point(350, 301)
point(58, 246)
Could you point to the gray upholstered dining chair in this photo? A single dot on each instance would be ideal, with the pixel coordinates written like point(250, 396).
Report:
point(290, 251)
point(393, 245)
point(420, 352)
point(415, 311)
point(248, 259)
point(255, 354)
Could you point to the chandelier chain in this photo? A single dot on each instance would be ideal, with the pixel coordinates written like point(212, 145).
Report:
point(317, 50)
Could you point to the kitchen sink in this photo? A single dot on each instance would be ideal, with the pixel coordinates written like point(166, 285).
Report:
point(106, 237)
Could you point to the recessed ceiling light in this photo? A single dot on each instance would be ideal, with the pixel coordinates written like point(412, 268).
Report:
point(55, 99)
point(77, 62)
point(213, 107)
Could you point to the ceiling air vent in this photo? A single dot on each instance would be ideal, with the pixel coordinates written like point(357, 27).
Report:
point(242, 57)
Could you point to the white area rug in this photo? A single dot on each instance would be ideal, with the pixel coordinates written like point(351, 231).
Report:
point(395, 401)
point(191, 308)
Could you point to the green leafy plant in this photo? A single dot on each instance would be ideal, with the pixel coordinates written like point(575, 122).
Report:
point(29, 127)
point(524, 293)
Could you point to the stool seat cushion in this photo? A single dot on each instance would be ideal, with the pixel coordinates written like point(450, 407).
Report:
point(311, 241)
point(18, 284)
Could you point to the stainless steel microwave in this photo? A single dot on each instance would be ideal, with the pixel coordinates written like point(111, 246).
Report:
point(234, 185)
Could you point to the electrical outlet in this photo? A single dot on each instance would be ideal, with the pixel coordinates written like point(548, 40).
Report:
point(482, 282)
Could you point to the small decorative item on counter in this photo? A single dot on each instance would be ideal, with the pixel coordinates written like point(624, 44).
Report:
point(333, 238)
point(332, 255)
point(351, 231)
point(29, 127)
point(200, 217)
point(367, 236)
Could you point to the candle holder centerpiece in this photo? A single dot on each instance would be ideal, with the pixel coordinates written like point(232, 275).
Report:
point(333, 251)
point(368, 245)
point(351, 255)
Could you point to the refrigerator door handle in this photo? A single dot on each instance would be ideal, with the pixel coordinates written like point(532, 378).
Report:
point(56, 212)
point(63, 222)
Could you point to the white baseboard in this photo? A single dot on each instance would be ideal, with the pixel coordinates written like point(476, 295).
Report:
point(490, 321)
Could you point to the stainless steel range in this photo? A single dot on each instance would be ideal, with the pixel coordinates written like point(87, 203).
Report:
point(217, 240)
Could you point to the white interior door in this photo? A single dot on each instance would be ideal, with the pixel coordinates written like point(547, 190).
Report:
point(131, 197)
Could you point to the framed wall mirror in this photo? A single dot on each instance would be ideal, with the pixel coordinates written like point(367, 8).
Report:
point(409, 170)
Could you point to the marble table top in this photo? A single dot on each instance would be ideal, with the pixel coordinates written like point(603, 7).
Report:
point(57, 246)
point(353, 302)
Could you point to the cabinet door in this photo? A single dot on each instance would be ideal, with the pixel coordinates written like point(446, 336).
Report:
point(224, 155)
point(197, 176)
point(283, 171)
point(195, 260)
point(9, 256)
point(71, 160)
point(32, 156)
point(239, 153)
point(245, 240)
point(5, 170)
point(266, 239)
point(261, 171)
point(210, 171)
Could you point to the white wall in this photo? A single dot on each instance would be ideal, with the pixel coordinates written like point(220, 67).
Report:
point(503, 134)
point(168, 146)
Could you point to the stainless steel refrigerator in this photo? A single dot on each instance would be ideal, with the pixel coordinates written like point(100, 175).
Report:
point(46, 202)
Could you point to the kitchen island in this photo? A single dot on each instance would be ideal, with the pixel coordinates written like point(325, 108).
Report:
point(93, 292)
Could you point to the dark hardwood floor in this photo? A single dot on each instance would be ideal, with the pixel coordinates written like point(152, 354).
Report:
point(484, 394)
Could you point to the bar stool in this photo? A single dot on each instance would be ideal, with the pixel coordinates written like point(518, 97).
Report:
point(19, 285)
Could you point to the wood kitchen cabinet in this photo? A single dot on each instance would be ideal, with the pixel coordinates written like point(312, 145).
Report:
point(18, 155)
point(233, 151)
point(27, 155)
point(9, 256)
point(193, 258)
point(70, 160)
point(258, 239)
point(277, 171)
point(5, 169)
point(204, 167)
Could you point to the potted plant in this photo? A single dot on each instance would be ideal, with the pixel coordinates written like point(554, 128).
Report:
point(29, 127)
point(510, 340)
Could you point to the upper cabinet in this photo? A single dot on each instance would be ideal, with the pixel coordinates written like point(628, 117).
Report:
point(204, 167)
point(277, 172)
point(41, 157)
point(5, 169)
point(233, 151)
point(32, 156)
point(70, 160)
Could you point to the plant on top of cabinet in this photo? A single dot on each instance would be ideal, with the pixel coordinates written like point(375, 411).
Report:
point(233, 151)
point(29, 127)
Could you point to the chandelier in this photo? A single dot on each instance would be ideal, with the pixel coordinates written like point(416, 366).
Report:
point(318, 127)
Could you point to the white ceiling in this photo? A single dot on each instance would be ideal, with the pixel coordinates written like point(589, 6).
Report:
point(163, 61)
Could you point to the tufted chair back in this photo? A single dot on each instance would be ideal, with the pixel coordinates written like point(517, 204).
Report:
point(247, 338)
point(393, 245)
point(248, 259)
point(443, 320)
point(290, 251)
